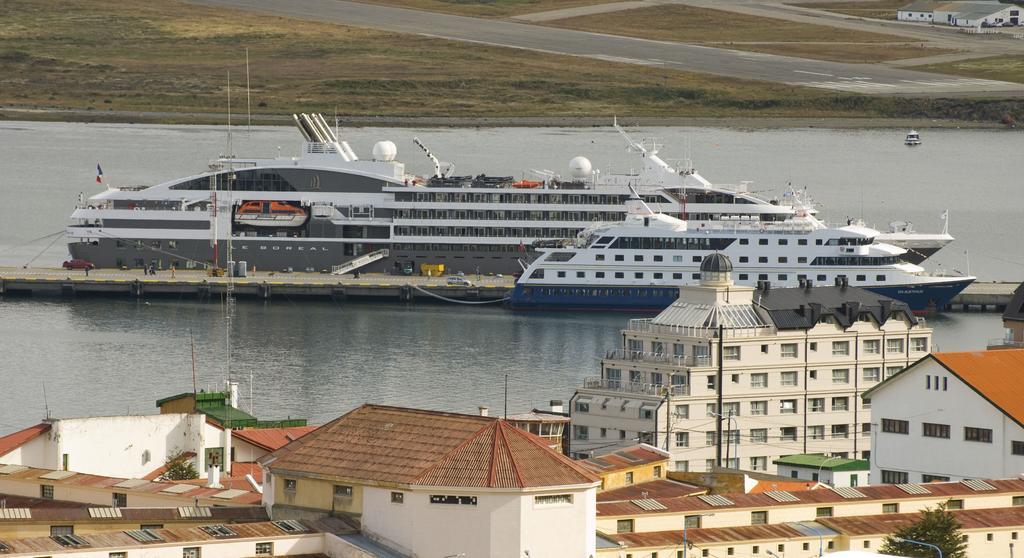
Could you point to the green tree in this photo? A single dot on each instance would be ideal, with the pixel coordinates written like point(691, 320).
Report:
point(935, 526)
point(179, 467)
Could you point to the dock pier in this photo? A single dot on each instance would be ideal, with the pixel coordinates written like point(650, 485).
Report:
point(196, 285)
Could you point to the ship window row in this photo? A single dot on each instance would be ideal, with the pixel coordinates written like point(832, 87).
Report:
point(245, 181)
point(491, 232)
point(855, 260)
point(415, 247)
point(519, 197)
point(499, 215)
point(660, 243)
point(602, 292)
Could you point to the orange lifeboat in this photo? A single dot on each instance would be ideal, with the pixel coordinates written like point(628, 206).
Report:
point(527, 184)
point(270, 214)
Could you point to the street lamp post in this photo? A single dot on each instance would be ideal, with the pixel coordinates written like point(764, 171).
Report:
point(919, 543)
point(821, 539)
point(822, 464)
point(686, 544)
point(733, 424)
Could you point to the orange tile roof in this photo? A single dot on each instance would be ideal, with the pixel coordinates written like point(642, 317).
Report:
point(17, 439)
point(788, 486)
point(376, 443)
point(627, 458)
point(998, 376)
point(888, 523)
point(272, 439)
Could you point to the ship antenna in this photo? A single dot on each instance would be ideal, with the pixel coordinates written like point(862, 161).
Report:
point(46, 404)
point(248, 98)
point(192, 340)
point(229, 114)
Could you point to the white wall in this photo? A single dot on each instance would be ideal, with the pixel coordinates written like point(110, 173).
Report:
point(907, 398)
point(503, 524)
point(115, 446)
point(33, 451)
point(835, 478)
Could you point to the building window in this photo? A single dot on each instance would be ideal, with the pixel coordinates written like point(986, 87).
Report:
point(46, 491)
point(710, 438)
point(682, 411)
point(342, 491)
point(894, 346)
point(657, 471)
point(789, 379)
point(954, 504)
point(731, 353)
point(840, 403)
point(816, 404)
point(692, 521)
point(759, 463)
point(759, 380)
point(624, 526)
point(120, 500)
point(1017, 448)
point(60, 530)
point(731, 409)
point(823, 512)
point(629, 478)
point(787, 406)
point(872, 374)
point(758, 407)
point(840, 431)
point(759, 435)
point(788, 350)
point(117, 555)
point(453, 500)
point(682, 439)
point(1018, 501)
point(972, 434)
point(895, 477)
point(397, 497)
point(919, 344)
point(788, 434)
point(710, 409)
point(840, 348)
point(816, 432)
point(290, 485)
point(891, 508)
point(932, 430)
point(894, 426)
point(580, 432)
point(265, 549)
point(582, 406)
point(759, 518)
point(934, 478)
point(550, 499)
point(841, 376)
point(190, 552)
point(682, 466)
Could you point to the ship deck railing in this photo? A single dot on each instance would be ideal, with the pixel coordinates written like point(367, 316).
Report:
point(647, 325)
point(635, 387)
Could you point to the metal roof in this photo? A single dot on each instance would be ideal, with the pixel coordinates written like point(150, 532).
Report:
point(803, 308)
point(729, 316)
point(913, 489)
point(716, 500)
point(781, 496)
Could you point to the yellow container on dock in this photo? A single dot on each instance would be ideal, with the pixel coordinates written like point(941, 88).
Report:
point(432, 270)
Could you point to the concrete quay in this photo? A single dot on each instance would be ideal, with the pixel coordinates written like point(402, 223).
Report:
point(984, 296)
point(194, 284)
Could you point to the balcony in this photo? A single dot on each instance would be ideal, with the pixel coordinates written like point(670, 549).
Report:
point(646, 325)
point(1006, 342)
point(658, 358)
point(635, 387)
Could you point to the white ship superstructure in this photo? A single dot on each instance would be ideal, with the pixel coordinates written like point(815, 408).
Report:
point(327, 206)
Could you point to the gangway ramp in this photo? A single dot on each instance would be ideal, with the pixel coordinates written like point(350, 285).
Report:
point(358, 262)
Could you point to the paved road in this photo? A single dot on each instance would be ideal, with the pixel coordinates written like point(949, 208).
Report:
point(859, 78)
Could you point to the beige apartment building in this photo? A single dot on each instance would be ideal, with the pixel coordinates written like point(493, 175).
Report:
point(742, 376)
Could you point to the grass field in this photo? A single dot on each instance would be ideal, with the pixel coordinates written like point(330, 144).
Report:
point(875, 9)
point(1004, 68)
point(132, 55)
point(488, 8)
point(690, 24)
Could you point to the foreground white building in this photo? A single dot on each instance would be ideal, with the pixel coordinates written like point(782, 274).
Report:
point(950, 416)
point(427, 483)
point(739, 376)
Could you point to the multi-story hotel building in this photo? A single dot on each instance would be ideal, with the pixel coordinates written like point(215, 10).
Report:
point(738, 376)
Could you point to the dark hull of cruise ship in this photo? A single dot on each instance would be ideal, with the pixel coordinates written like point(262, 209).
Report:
point(920, 298)
point(270, 254)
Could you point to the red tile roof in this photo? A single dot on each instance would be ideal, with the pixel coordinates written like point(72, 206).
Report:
point(888, 523)
point(662, 488)
point(627, 458)
point(789, 486)
point(998, 376)
point(878, 492)
point(670, 539)
point(17, 439)
point(376, 443)
point(272, 439)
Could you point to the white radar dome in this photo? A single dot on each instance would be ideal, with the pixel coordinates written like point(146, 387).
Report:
point(384, 151)
point(580, 167)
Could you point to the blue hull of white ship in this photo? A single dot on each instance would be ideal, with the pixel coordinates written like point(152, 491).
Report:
point(920, 298)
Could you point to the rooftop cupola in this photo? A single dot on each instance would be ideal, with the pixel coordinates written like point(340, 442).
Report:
point(716, 270)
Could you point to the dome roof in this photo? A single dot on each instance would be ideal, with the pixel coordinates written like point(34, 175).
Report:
point(716, 262)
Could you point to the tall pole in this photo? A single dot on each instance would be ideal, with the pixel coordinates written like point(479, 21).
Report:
point(718, 402)
point(248, 102)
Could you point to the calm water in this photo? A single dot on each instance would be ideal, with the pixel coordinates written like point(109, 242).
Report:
point(318, 360)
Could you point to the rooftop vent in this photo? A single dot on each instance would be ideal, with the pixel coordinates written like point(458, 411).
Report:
point(106, 513)
point(291, 526)
point(781, 496)
point(193, 513)
point(913, 489)
point(70, 541)
point(15, 513)
point(716, 500)
point(848, 492)
point(219, 531)
point(58, 475)
point(4, 548)
point(648, 504)
point(977, 485)
point(144, 536)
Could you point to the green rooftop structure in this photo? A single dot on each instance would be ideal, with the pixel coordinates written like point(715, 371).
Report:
point(214, 404)
point(832, 470)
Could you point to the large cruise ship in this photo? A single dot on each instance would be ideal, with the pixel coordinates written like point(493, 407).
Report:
point(640, 263)
point(327, 206)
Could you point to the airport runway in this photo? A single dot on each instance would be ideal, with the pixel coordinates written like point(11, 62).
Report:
point(870, 79)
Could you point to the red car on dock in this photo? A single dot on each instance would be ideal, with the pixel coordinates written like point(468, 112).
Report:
point(78, 264)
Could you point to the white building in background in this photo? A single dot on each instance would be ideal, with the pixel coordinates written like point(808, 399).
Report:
point(743, 376)
point(950, 416)
point(991, 13)
point(833, 471)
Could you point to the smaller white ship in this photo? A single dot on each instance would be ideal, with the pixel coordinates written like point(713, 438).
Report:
point(913, 138)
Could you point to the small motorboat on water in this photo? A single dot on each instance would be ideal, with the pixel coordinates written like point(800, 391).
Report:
point(913, 138)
